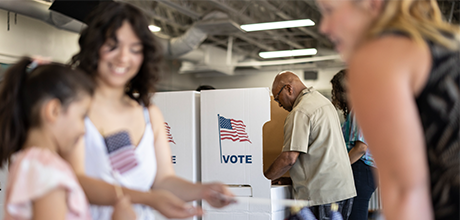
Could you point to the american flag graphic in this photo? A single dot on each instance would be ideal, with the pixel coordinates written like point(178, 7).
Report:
point(168, 132)
point(121, 152)
point(231, 129)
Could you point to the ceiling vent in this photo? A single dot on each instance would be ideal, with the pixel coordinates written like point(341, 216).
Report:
point(209, 59)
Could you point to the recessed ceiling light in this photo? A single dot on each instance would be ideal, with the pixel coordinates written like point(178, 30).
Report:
point(288, 53)
point(154, 28)
point(277, 25)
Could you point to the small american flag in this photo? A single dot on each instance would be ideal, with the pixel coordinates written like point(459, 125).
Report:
point(231, 129)
point(168, 132)
point(335, 215)
point(121, 152)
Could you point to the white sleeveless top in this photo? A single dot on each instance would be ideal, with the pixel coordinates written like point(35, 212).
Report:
point(141, 177)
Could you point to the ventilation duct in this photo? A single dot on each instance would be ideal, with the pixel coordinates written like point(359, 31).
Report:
point(39, 10)
point(208, 59)
point(190, 40)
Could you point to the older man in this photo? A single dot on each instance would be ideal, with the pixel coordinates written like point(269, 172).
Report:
point(314, 150)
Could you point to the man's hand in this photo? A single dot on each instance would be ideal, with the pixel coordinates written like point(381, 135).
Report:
point(282, 164)
point(282, 181)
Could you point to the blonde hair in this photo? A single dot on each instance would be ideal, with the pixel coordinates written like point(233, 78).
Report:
point(420, 19)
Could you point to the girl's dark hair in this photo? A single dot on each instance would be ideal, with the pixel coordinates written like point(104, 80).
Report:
point(339, 94)
point(103, 22)
point(23, 91)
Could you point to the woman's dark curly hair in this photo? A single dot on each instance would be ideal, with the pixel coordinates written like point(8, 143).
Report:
point(103, 22)
point(339, 92)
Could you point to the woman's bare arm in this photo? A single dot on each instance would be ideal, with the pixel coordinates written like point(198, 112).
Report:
point(382, 94)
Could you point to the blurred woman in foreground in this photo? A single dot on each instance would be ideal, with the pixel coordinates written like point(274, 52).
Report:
point(404, 80)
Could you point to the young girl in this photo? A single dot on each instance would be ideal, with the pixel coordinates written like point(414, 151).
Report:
point(404, 80)
point(42, 113)
point(122, 56)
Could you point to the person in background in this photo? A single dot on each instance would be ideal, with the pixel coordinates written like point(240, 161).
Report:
point(314, 151)
point(204, 87)
point(361, 159)
point(404, 86)
point(36, 106)
point(125, 141)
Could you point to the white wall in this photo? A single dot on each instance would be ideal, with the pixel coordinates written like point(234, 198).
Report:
point(265, 79)
point(171, 80)
point(34, 37)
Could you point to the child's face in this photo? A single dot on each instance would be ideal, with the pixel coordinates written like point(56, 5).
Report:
point(120, 61)
point(70, 124)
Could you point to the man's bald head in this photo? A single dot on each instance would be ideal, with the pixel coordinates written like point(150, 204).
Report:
point(292, 84)
point(286, 77)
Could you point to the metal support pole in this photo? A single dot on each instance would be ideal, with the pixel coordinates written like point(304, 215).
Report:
point(229, 50)
point(451, 12)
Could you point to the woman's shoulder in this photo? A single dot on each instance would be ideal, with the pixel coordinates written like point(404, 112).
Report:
point(390, 48)
point(392, 57)
point(156, 117)
point(154, 111)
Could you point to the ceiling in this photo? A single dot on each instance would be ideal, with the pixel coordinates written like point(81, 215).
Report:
point(176, 16)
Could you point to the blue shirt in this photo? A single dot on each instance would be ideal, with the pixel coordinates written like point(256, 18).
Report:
point(352, 133)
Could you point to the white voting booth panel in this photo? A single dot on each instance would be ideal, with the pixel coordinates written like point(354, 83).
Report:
point(231, 150)
point(181, 112)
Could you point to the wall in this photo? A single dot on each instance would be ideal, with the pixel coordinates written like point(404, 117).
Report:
point(171, 80)
point(245, 79)
point(34, 37)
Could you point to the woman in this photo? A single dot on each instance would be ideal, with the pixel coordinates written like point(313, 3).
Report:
point(404, 87)
point(361, 160)
point(120, 53)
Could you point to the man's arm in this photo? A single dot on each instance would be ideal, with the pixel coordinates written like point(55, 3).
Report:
point(282, 164)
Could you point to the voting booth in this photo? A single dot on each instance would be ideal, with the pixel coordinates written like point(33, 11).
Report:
point(181, 112)
point(232, 152)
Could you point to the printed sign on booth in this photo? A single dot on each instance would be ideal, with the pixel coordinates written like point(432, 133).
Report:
point(234, 131)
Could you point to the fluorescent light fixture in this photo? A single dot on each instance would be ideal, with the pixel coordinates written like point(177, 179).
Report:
point(154, 28)
point(288, 53)
point(277, 25)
